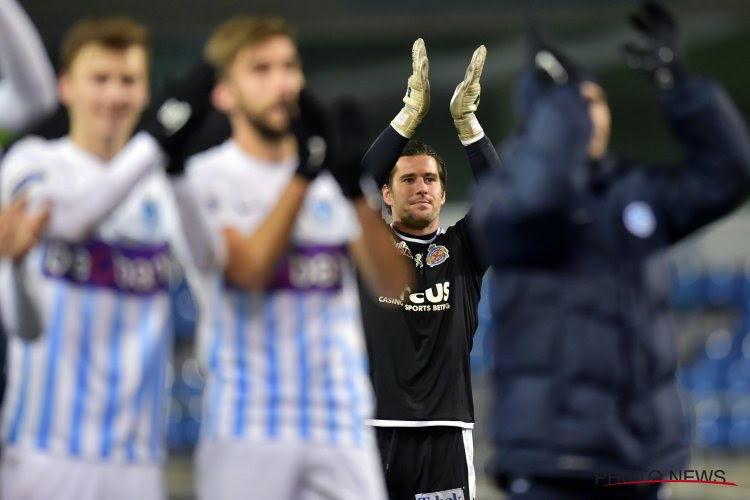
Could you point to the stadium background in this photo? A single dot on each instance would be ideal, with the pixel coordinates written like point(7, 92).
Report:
point(361, 48)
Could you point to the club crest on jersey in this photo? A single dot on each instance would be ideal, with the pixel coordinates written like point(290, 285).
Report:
point(150, 214)
point(322, 210)
point(436, 255)
point(639, 219)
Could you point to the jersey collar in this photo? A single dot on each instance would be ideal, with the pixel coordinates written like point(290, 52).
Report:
point(424, 239)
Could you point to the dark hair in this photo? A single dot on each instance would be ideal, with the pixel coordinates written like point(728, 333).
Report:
point(117, 33)
point(418, 148)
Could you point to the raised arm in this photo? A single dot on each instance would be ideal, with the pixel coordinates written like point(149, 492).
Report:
point(704, 119)
point(384, 269)
point(386, 272)
point(519, 212)
point(479, 150)
point(183, 107)
point(28, 89)
point(384, 152)
point(716, 177)
point(250, 257)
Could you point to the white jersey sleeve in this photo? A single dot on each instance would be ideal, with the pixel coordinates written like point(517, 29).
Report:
point(212, 192)
point(22, 170)
point(27, 88)
point(76, 207)
point(17, 310)
point(205, 245)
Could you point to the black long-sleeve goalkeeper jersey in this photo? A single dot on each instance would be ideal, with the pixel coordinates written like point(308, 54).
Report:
point(419, 343)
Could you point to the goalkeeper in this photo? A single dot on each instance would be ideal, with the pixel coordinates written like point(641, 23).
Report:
point(419, 342)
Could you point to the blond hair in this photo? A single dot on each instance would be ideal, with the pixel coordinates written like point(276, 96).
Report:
point(117, 33)
point(238, 32)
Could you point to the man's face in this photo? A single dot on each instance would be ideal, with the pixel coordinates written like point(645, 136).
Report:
point(416, 194)
point(601, 119)
point(263, 85)
point(106, 90)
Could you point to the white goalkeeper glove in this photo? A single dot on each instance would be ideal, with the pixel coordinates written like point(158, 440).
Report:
point(466, 99)
point(417, 98)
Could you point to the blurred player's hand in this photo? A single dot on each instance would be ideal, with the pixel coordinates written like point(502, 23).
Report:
point(662, 58)
point(179, 112)
point(417, 98)
point(310, 129)
point(550, 64)
point(330, 139)
point(19, 231)
point(348, 134)
point(466, 99)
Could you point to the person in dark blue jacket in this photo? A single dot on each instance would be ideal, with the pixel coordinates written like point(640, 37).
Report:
point(585, 391)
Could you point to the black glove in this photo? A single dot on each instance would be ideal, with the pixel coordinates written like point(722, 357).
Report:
point(550, 64)
point(662, 60)
point(179, 112)
point(348, 143)
point(310, 128)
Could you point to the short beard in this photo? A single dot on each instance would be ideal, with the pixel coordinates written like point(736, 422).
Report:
point(417, 223)
point(259, 124)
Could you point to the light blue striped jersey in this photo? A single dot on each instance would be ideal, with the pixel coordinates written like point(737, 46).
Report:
point(288, 362)
point(93, 384)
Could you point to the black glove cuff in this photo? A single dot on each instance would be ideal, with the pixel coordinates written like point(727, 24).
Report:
point(352, 192)
point(180, 110)
point(312, 154)
point(175, 167)
point(306, 172)
point(668, 76)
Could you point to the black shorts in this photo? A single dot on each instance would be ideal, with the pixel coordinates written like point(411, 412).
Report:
point(429, 463)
